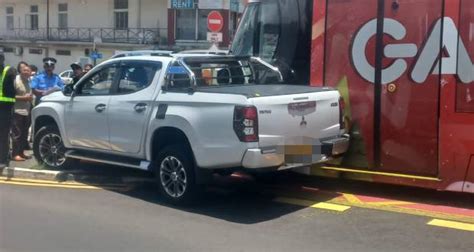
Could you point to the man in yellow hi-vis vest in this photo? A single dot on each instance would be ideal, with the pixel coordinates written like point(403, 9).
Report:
point(7, 101)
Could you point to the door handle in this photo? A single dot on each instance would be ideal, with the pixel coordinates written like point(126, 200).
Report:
point(100, 108)
point(140, 107)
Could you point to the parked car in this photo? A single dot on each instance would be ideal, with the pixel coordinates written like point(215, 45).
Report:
point(184, 118)
point(204, 52)
point(66, 76)
point(121, 54)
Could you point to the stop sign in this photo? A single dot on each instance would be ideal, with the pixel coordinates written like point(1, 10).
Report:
point(215, 21)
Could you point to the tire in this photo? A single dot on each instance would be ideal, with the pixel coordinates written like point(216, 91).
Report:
point(175, 174)
point(49, 150)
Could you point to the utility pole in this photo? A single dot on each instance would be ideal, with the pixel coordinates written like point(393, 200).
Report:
point(47, 19)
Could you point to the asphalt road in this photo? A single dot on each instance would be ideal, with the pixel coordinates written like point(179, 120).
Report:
point(242, 218)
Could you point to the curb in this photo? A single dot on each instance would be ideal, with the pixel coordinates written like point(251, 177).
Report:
point(70, 176)
point(15, 172)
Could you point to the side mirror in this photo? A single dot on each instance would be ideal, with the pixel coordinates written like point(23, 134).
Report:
point(68, 90)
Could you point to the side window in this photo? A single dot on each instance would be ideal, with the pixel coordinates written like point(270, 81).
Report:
point(136, 76)
point(178, 78)
point(100, 83)
point(179, 81)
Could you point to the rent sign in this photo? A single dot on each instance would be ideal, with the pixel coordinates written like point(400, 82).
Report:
point(182, 4)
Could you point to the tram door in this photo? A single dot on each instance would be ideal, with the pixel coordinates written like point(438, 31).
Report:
point(393, 112)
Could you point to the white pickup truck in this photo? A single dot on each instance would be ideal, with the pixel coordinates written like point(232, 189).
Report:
point(185, 117)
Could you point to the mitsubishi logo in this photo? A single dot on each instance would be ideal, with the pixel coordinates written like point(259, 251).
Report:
point(457, 62)
point(303, 122)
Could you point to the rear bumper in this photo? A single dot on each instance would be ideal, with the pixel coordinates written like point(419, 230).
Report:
point(289, 157)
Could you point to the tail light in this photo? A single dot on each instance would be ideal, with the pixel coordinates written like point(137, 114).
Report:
point(342, 109)
point(246, 123)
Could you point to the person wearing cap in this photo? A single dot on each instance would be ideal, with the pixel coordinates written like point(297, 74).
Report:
point(77, 73)
point(87, 68)
point(46, 82)
point(7, 102)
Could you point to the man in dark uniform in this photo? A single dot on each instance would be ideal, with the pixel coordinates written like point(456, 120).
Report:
point(77, 73)
point(7, 102)
point(46, 82)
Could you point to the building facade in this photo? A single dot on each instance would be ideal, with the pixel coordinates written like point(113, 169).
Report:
point(188, 21)
point(90, 31)
point(71, 30)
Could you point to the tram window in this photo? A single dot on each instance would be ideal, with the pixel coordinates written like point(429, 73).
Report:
point(269, 32)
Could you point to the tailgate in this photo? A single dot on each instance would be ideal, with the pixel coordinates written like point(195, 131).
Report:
point(297, 119)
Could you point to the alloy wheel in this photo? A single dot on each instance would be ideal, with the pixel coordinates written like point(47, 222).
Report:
point(173, 177)
point(51, 150)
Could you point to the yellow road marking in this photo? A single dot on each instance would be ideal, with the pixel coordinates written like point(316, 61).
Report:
point(50, 185)
point(307, 203)
point(397, 207)
point(68, 185)
point(330, 206)
point(452, 224)
point(39, 181)
point(352, 198)
point(390, 206)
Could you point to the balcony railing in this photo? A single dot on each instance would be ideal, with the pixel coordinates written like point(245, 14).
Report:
point(107, 35)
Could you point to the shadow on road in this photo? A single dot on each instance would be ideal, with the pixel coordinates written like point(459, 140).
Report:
point(244, 200)
point(234, 200)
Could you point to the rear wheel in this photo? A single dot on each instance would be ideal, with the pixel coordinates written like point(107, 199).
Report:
point(174, 172)
point(49, 149)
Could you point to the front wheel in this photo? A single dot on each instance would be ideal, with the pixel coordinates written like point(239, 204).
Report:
point(49, 149)
point(174, 171)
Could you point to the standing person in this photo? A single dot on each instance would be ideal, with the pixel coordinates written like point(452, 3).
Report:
point(34, 70)
point(77, 73)
point(46, 82)
point(20, 65)
point(7, 101)
point(21, 117)
point(87, 68)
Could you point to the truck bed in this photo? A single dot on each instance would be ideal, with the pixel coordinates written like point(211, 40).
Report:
point(252, 91)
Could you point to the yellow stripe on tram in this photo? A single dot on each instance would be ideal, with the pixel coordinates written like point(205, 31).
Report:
point(398, 175)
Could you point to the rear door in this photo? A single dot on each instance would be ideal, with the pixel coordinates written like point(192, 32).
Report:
point(131, 105)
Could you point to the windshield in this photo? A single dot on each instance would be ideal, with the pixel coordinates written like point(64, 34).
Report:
point(279, 33)
point(259, 32)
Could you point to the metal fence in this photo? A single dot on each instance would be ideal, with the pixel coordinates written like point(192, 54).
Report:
point(106, 35)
